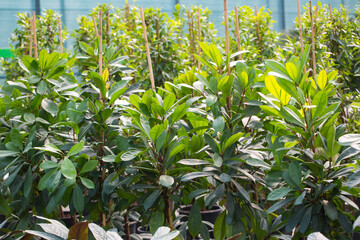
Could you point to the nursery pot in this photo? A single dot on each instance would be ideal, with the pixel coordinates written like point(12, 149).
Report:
point(209, 215)
point(206, 215)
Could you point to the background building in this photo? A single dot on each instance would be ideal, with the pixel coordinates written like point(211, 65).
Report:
point(284, 11)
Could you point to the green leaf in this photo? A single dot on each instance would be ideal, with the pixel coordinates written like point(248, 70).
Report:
point(219, 124)
point(45, 179)
point(99, 82)
point(220, 226)
point(6, 153)
point(78, 199)
point(234, 138)
point(29, 118)
point(149, 201)
point(299, 200)
point(117, 90)
point(176, 150)
point(87, 183)
point(212, 143)
point(279, 205)
point(48, 165)
point(194, 220)
point(56, 72)
point(76, 149)
point(193, 162)
point(349, 139)
point(28, 183)
point(156, 131)
point(320, 100)
point(50, 106)
point(89, 166)
point(330, 210)
point(305, 220)
point(276, 67)
point(218, 161)
point(353, 180)
point(322, 79)
point(291, 116)
point(42, 58)
point(166, 180)
point(156, 221)
point(4, 207)
point(130, 154)
point(179, 112)
point(278, 193)
point(295, 172)
point(193, 175)
point(68, 169)
point(169, 101)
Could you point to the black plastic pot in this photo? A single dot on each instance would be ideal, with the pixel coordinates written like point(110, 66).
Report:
point(206, 216)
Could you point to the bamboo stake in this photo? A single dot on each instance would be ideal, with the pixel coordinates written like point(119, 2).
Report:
point(95, 26)
point(331, 15)
point(258, 28)
point(227, 34)
point(31, 37)
point(147, 50)
point(313, 41)
point(227, 53)
point(107, 28)
point(300, 27)
point(237, 30)
point(35, 39)
point(191, 37)
point(61, 38)
point(199, 38)
point(100, 44)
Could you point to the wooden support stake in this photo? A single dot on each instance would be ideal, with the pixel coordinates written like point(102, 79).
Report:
point(227, 34)
point(227, 53)
point(147, 50)
point(237, 30)
point(258, 28)
point(191, 37)
point(331, 15)
point(95, 26)
point(313, 41)
point(31, 37)
point(100, 45)
point(199, 37)
point(35, 39)
point(60, 35)
point(300, 27)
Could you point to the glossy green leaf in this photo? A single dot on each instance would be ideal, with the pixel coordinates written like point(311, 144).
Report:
point(76, 149)
point(278, 193)
point(194, 220)
point(89, 166)
point(78, 199)
point(220, 226)
point(68, 169)
point(50, 106)
point(87, 183)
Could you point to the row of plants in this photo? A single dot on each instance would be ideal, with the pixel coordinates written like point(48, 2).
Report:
point(265, 141)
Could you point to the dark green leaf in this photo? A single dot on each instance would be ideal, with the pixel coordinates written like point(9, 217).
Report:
point(278, 193)
point(78, 199)
point(194, 220)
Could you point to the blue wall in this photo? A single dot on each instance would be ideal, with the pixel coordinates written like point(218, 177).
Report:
point(284, 15)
